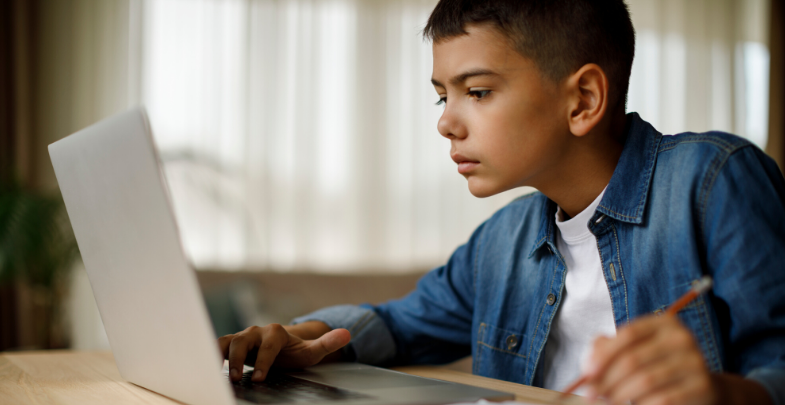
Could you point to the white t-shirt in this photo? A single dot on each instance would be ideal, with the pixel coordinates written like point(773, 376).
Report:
point(585, 311)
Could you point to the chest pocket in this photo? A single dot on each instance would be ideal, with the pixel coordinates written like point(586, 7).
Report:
point(500, 353)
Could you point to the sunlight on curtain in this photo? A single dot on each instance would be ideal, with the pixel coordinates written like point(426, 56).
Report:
point(702, 65)
point(301, 135)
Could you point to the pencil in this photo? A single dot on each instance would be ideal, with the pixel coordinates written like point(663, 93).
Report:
point(698, 288)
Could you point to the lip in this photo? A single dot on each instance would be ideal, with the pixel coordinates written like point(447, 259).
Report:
point(465, 165)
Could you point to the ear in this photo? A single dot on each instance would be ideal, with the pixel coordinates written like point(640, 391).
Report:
point(587, 91)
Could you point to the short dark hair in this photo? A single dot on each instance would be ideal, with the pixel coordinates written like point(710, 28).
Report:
point(560, 36)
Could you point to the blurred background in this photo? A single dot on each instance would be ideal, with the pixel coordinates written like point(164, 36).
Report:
point(299, 140)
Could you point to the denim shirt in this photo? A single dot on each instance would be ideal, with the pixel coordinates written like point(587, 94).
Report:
point(676, 208)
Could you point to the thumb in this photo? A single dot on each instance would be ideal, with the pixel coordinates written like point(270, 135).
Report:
point(330, 342)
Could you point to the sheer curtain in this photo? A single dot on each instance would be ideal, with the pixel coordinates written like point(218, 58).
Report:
point(701, 65)
point(301, 135)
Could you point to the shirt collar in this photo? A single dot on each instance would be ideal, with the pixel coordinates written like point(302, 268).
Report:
point(626, 193)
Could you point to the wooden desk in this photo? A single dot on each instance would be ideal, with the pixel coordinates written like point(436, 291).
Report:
point(84, 378)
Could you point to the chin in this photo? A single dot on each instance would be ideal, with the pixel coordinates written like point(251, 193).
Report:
point(481, 189)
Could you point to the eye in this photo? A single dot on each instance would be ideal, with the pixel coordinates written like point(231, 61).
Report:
point(478, 94)
point(441, 101)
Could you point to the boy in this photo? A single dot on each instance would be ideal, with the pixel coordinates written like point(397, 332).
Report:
point(625, 220)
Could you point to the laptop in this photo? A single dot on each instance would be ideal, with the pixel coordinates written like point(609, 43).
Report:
point(149, 299)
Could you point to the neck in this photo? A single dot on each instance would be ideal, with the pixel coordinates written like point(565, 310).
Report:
point(587, 167)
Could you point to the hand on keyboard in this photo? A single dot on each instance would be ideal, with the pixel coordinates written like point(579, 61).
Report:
point(279, 345)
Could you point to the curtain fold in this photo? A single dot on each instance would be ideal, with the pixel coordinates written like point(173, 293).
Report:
point(701, 65)
point(300, 135)
point(776, 145)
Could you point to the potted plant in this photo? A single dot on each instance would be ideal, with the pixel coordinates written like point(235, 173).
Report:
point(37, 251)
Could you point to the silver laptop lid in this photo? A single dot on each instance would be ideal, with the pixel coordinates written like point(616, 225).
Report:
point(148, 296)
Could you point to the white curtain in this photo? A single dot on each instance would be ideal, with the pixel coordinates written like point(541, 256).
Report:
point(301, 135)
point(702, 65)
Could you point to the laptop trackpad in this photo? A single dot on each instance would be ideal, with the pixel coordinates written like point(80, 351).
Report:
point(364, 379)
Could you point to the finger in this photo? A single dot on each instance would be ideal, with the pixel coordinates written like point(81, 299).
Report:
point(677, 347)
point(681, 391)
point(604, 349)
point(223, 345)
point(274, 338)
point(242, 343)
point(637, 357)
point(327, 343)
point(651, 379)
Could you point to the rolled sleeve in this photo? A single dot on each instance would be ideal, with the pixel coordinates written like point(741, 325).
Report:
point(772, 379)
point(372, 342)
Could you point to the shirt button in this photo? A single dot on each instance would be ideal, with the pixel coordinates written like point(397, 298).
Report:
point(551, 299)
point(512, 341)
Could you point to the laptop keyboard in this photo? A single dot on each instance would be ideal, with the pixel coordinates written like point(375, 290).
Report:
point(283, 388)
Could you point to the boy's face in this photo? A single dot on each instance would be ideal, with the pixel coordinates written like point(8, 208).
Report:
point(506, 122)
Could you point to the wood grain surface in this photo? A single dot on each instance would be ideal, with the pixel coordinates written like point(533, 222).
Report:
point(86, 378)
point(64, 377)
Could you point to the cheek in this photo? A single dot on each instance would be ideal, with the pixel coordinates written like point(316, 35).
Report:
point(512, 130)
point(536, 121)
point(520, 142)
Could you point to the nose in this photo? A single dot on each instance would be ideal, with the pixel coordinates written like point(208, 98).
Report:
point(450, 124)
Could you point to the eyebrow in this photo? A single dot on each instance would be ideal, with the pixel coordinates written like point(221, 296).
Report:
point(463, 76)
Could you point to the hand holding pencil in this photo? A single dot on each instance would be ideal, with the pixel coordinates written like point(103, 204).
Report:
point(653, 360)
